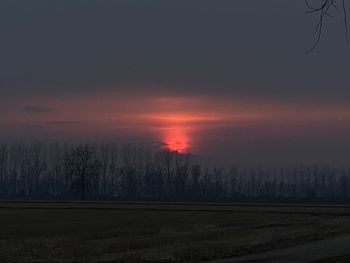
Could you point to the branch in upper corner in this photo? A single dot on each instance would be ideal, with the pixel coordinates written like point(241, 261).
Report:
point(323, 10)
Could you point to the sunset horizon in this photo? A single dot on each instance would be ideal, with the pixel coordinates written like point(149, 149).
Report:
point(174, 131)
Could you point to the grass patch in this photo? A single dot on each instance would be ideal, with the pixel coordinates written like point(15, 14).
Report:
point(59, 235)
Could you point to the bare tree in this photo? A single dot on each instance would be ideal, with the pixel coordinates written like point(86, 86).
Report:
point(82, 161)
point(3, 168)
point(165, 161)
point(104, 150)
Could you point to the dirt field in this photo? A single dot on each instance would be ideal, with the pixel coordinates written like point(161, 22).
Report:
point(172, 232)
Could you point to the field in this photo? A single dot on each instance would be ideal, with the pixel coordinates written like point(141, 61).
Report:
point(169, 232)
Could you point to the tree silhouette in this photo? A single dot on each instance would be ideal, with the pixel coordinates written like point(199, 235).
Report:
point(82, 163)
point(131, 173)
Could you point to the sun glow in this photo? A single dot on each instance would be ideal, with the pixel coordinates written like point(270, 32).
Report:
point(177, 141)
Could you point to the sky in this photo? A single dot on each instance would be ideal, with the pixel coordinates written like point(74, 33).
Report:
point(228, 81)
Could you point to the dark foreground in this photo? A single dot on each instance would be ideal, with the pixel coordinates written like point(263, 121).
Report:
point(164, 232)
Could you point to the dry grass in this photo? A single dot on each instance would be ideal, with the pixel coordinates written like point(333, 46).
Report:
point(163, 235)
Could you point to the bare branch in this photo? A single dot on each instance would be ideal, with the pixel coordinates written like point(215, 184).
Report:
point(345, 22)
point(324, 10)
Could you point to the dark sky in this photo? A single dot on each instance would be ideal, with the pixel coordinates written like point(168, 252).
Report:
point(229, 77)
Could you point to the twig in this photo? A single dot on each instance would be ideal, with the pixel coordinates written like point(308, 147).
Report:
point(324, 10)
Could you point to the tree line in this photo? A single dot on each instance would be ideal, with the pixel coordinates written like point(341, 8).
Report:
point(111, 171)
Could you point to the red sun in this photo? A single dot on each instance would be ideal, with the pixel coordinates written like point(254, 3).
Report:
point(176, 143)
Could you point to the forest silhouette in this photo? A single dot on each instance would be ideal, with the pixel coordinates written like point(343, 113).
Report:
point(124, 172)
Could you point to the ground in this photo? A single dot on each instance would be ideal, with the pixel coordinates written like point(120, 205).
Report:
point(172, 232)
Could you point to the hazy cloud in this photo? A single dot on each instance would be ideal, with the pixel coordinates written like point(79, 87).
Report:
point(36, 109)
point(60, 123)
